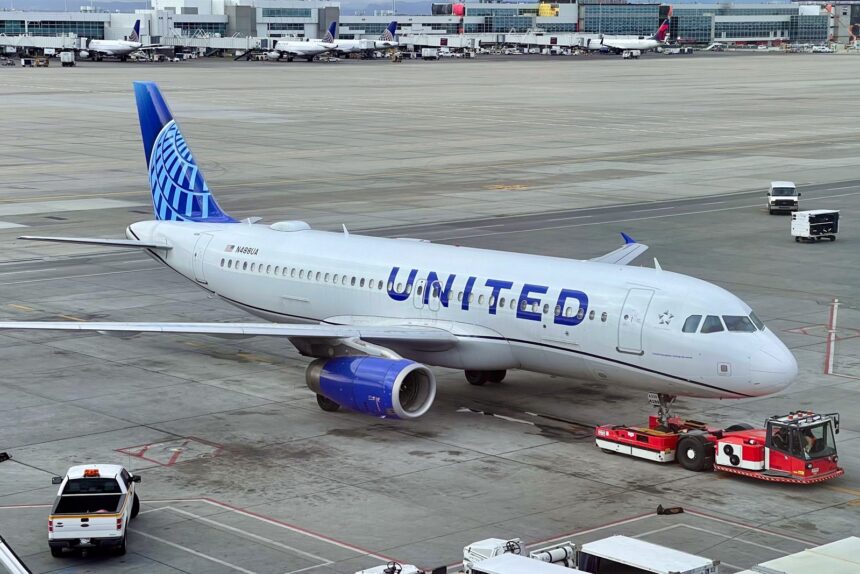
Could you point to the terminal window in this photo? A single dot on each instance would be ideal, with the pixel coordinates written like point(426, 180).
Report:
point(286, 13)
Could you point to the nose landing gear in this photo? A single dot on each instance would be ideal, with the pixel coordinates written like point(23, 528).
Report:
point(664, 404)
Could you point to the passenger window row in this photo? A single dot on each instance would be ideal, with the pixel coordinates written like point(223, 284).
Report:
point(436, 291)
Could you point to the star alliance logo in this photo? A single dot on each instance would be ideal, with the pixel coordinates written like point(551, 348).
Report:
point(665, 317)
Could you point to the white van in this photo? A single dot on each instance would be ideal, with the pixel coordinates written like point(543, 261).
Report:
point(782, 196)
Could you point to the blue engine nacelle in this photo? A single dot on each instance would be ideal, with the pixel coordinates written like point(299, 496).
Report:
point(384, 388)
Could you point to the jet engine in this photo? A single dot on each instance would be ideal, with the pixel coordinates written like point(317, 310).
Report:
point(273, 55)
point(380, 387)
point(84, 54)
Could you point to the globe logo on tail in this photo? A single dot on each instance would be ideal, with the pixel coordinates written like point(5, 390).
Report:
point(179, 192)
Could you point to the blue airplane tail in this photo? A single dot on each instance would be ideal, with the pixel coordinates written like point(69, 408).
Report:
point(135, 32)
point(179, 191)
point(330, 35)
point(390, 32)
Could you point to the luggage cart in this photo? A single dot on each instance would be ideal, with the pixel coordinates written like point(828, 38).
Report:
point(815, 225)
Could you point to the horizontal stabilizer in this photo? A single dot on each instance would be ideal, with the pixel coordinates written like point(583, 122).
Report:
point(624, 254)
point(381, 334)
point(126, 243)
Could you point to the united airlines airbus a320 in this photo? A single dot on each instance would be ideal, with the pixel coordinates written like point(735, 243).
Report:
point(374, 312)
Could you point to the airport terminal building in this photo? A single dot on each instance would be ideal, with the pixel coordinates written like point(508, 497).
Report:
point(175, 21)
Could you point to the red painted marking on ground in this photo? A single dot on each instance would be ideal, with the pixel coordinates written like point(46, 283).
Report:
point(139, 451)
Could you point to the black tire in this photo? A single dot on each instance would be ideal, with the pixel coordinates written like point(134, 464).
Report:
point(497, 376)
point(120, 550)
point(135, 506)
point(832, 238)
point(56, 552)
point(770, 211)
point(327, 404)
point(797, 239)
point(477, 378)
point(738, 427)
point(695, 453)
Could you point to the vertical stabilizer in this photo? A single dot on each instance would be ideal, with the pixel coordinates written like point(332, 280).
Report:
point(390, 32)
point(135, 32)
point(179, 192)
point(331, 34)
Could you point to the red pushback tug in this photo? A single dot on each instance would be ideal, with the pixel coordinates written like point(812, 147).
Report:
point(797, 448)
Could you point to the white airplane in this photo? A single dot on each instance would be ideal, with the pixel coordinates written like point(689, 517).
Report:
point(386, 40)
point(374, 312)
point(121, 49)
point(619, 44)
point(308, 50)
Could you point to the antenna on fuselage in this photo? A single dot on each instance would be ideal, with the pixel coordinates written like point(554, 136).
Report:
point(657, 265)
point(345, 231)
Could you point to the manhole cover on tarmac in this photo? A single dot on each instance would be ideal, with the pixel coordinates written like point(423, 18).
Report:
point(170, 452)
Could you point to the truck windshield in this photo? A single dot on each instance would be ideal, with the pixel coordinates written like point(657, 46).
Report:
point(784, 191)
point(92, 486)
point(817, 441)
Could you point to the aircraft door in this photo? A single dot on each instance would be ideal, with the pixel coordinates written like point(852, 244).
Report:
point(426, 298)
point(632, 320)
point(197, 257)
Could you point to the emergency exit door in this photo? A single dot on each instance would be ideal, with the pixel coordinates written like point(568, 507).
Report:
point(632, 320)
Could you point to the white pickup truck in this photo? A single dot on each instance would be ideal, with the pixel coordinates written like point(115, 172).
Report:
point(92, 508)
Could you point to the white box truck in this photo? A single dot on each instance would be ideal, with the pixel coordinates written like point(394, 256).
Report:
point(67, 59)
point(429, 54)
point(640, 557)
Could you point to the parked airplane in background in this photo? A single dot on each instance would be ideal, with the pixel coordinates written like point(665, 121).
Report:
point(308, 49)
point(121, 49)
point(374, 312)
point(386, 40)
point(619, 44)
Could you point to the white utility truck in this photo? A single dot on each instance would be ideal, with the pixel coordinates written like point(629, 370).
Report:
point(782, 196)
point(639, 557)
point(92, 508)
point(815, 225)
point(429, 54)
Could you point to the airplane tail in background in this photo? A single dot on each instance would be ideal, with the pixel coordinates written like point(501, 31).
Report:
point(179, 192)
point(663, 30)
point(330, 35)
point(390, 32)
point(135, 32)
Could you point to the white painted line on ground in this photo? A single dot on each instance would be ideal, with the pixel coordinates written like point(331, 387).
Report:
point(738, 539)
point(323, 561)
point(713, 203)
point(748, 527)
point(590, 530)
point(569, 218)
point(653, 209)
point(830, 347)
point(194, 552)
point(533, 229)
point(80, 276)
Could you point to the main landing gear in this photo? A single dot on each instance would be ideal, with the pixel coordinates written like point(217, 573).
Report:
point(478, 378)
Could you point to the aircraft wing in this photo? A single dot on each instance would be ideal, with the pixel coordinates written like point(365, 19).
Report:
point(126, 243)
point(624, 254)
point(426, 336)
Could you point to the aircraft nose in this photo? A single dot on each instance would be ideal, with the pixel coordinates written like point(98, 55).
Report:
point(772, 368)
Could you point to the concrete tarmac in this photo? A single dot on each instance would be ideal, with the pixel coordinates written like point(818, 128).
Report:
point(242, 471)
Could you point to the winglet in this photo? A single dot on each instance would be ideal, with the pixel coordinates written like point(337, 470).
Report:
point(627, 239)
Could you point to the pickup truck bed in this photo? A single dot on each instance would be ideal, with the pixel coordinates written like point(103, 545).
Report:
point(88, 504)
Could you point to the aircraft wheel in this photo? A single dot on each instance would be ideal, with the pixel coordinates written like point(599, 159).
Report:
point(497, 376)
point(327, 404)
point(477, 378)
point(695, 453)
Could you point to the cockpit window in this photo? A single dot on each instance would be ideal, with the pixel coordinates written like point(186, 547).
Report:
point(712, 324)
point(739, 323)
point(757, 322)
point(691, 325)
